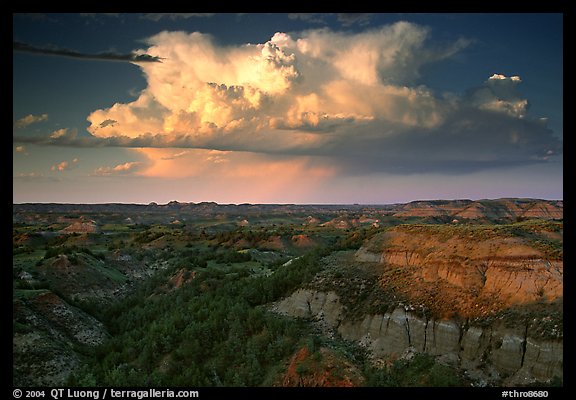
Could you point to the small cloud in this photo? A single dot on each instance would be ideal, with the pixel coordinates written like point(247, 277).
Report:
point(28, 175)
point(29, 120)
point(120, 169)
point(314, 18)
point(61, 166)
point(106, 56)
point(349, 19)
point(59, 133)
point(34, 176)
point(64, 133)
point(176, 155)
point(65, 165)
point(217, 156)
point(21, 149)
point(174, 16)
point(497, 77)
point(500, 77)
point(346, 19)
point(499, 93)
point(94, 15)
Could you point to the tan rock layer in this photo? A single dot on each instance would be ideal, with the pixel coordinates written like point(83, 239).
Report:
point(507, 270)
point(512, 353)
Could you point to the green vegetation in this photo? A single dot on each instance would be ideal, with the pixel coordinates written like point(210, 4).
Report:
point(30, 293)
point(421, 370)
point(538, 233)
point(215, 331)
point(209, 332)
point(187, 304)
point(71, 251)
point(486, 231)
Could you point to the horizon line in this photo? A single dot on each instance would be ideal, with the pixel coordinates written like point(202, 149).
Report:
point(287, 204)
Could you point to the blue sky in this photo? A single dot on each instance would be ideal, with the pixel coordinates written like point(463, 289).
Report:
point(286, 108)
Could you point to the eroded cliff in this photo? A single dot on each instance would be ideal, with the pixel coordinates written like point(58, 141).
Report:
point(486, 299)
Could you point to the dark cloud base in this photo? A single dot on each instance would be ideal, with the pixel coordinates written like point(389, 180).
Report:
point(484, 144)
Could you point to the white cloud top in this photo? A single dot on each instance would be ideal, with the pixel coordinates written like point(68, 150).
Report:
point(499, 94)
point(120, 169)
point(322, 81)
point(331, 101)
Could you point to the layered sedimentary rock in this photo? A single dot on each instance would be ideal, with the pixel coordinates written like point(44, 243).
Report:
point(487, 300)
point(511, 354)
point(471, 266)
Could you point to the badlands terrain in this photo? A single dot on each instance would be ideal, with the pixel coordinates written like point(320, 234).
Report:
point(427, 293)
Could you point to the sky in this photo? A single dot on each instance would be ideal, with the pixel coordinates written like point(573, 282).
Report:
point(325, 108)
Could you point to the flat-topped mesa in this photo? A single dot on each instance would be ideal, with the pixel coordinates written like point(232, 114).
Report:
point(498, 209)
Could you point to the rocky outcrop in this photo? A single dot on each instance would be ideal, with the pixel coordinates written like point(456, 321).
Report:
point(303, 241)
point(82, 226)
point(485, 298)
point(470, 265)
point(491, 354)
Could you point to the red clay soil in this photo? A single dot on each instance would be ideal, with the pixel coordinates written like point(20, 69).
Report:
point(469, 277)
point(273, 243)
point(179, 278)
point(320, 369)
point(303, 241)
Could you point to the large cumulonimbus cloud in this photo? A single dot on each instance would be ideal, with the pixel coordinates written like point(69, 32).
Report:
point(351, 99)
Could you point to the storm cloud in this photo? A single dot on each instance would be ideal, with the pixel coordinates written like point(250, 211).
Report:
point(353, 102)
